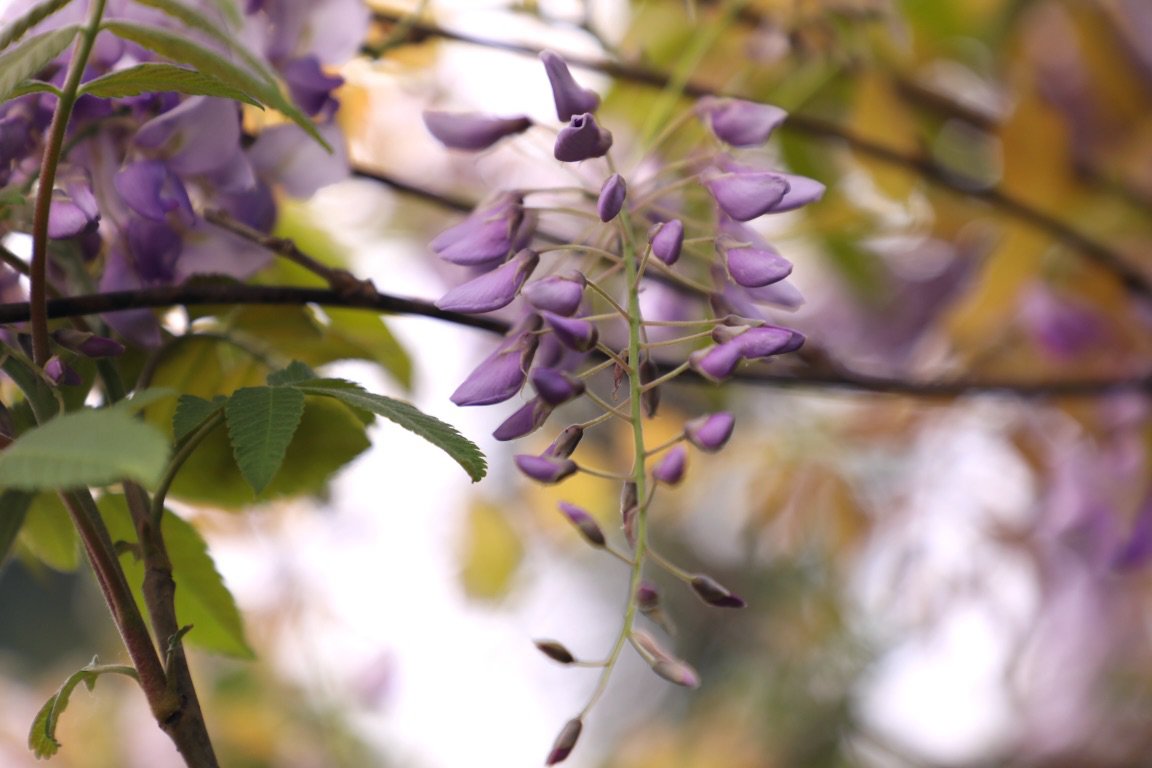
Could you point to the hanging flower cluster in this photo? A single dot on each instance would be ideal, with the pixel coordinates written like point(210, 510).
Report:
point(579, 314)
point(138, 172)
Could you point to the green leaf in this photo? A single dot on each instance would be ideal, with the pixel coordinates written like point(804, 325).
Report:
point(209, 62)
point(435, 431)
point(29, 19)
point(42, 736)
point(192, 18)
point(141, 399)
point(50, 535)
point(13, 510)
point(295, 372)
point(31, 56)
point(191, 412)
point(261, 422)
point(202, 599)
point(159, 78)
point(33, 86)
point(84, 448)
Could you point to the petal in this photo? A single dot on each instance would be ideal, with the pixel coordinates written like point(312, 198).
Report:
point(801, 191)
point(560, 294)
point(545, 469)
point(749, 194)
point(766, 341)
point(582, 139)
point(486, 236)
point(570, 98)
point(711, 432)
point(717, 362)
point(502, 374)
point(472, 131)
point(611, 198)
point(310, 87)
point(667, 238)
point(573, 333)
point(151, 189)
point(555, 387)
point(491, 290)
point(740, 123)
point(526, 420)
point(670, 469)
point(756, 267)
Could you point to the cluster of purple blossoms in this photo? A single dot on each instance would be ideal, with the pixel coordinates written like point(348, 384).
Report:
point(139, 172)
point(575, 309)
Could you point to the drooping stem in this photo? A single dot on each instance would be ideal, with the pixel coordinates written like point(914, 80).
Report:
point(38, 279)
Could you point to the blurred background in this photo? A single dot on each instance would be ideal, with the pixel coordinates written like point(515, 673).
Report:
point(940, 512)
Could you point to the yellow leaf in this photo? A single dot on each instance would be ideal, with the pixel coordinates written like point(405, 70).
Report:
point(491, 552)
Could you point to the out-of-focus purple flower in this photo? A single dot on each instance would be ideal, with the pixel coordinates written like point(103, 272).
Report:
point(290, 159)
point(754, 267)
point(559, 294)
point(584, 523)
point(501, 375)
point(611, 198)
point(524, 421)
point(491, 290)
point(712, 592)
point(571, 99)
point(87, 344)
point(766, 341)
point(61, 373)
point(667, 238)
point(487, 236)
point(1062, 328)
point(545, 469)
point(738, 122)
point(582, 139)
point(154, 247)
point(310, 86)
point(75, 212)
point(710, 433)
point(151, 189)
point(670, 469)
point(555, 387)
point(565, 742)
point(572, 332)
point(200, 138)
point(471, 131)
point(745, 193)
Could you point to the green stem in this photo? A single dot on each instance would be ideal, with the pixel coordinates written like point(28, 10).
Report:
point(38, 279)
point(186, 449)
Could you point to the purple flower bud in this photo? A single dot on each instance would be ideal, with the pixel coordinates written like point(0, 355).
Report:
point(584, 523)
point(555, 651)
point(61, 373)
point(151, 189)
point(565, 742)
point(87, 344)
point(740, 123)
point(526, 420)
point(670, 469)
point(755, 267)
point(667, 238)
point(545, 469)
point(582, 139)
point(555, 387)
point(566, 442)
point(711, 432)
point(494, 289)
point(612, 196)
point(571, 99)
point(717, 362)
point(488, 235)
point(647, 597)
point(749, 194)
point(572, 332)
point(678, 672)
point(713, 593)
point(767, 340)
point(501, 375)
point(559, 294)
point(472, 131)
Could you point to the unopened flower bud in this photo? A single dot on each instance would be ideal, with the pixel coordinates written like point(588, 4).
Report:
point(555, 387)
point(571, 99)
point(572, 332)
point(755, 267)
point(526, 420)
point(611, 198)
point(712, 592)
point(716, 362)
point(566, 442)
point(582, 139)
point(560, 294)
point(471, 131)
point(711, 432)
point(670, 469)
point(584, 523)
point(61, 373)
point(565, 742)
point(555, 651)
point(87, 344)
point(491, 290)
point(667, 239)
point(545, 469)
point(738, 122)
point(678, 672)
point(647, 597)
point(501, 374)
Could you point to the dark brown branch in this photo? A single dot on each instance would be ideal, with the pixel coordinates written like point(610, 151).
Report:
point(1133, 280)
point(237, 294)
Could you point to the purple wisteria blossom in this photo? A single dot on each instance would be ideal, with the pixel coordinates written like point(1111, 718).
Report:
point(611, 198)
point(486, 237)
point(667, 239)
point(571, 99)
point(582, 139)
point(494, 289)
point(502, 374)
point(470, 131)
point(558, 294)
point(740, 123)
point(710, 433)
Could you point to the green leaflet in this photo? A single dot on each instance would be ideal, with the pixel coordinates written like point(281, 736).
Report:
point(435, 431)
point(84, 448)
point(156, 78)
point(49, 534)
point(191, 412)
point(13, 510)
point(36, 14)
point(183, 50)
point(202, 599)
point(31, 56)
point(261, 422)
point(293, 374)
point(42, 735)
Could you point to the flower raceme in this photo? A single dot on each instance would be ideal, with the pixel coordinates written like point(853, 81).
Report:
point(576, 310)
